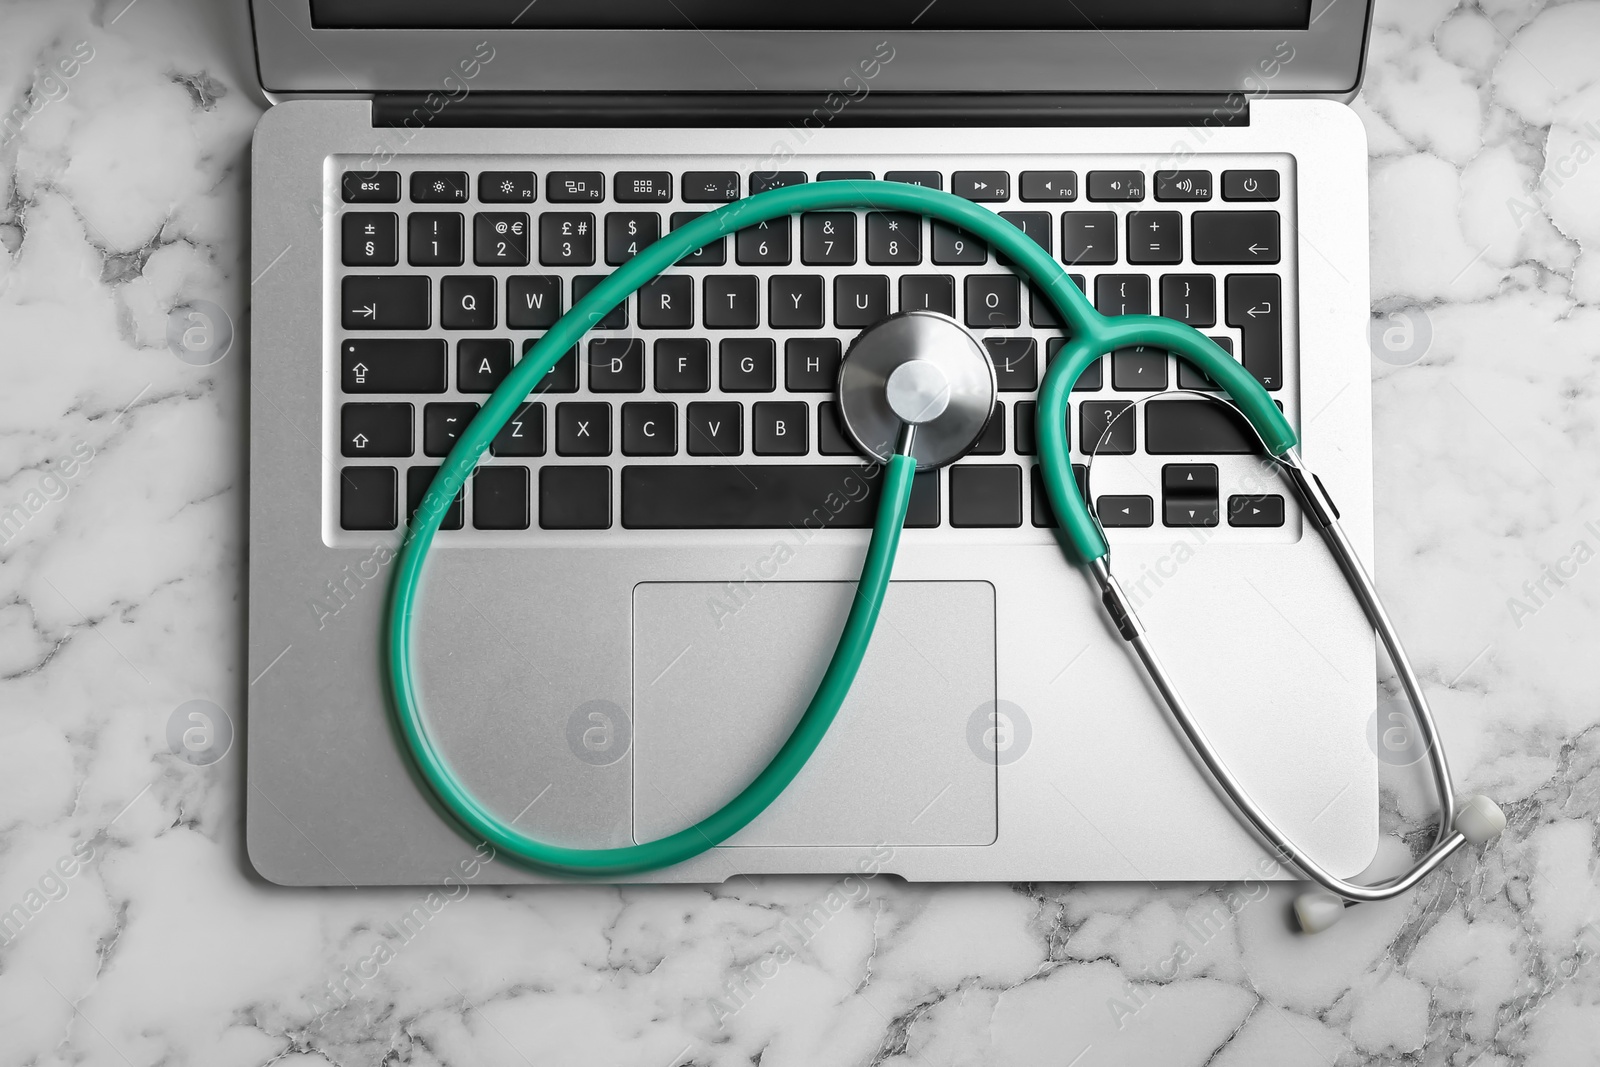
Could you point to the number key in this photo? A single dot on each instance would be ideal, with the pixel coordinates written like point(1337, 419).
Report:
point(957, 247)
point(434, 239)
point(566, 239)
point(766, 244)
point(894, 238)
point(371, 239)
point(628, 233)
point(500, 239)
point(828, 238)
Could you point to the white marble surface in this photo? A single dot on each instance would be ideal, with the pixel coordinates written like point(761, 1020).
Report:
point(124, 193)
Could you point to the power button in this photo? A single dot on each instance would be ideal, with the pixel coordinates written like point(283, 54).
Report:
point(1249, 185)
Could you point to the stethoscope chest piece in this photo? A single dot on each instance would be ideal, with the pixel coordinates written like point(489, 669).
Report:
point(918, 368)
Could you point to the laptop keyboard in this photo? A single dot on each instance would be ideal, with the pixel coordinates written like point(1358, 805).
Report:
point(705, 401)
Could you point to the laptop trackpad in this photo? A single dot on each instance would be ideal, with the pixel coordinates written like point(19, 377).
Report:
point(722, 673)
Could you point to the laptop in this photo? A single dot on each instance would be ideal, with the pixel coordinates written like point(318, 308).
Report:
point(634, 598)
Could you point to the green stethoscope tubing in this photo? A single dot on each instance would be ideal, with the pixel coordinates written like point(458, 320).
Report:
point(1091, 335)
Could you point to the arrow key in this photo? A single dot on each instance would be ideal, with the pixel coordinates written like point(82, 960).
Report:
point(1194, 479)
point(1115, 511)
point(367, 430)
point(1255, 510)
point(1189, 511)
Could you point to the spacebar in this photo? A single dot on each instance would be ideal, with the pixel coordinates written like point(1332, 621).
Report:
point(748, 496)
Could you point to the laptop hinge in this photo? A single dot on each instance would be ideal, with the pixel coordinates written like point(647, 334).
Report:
point(487, 109)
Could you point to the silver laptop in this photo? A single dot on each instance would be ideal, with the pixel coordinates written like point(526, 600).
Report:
point(629, 608)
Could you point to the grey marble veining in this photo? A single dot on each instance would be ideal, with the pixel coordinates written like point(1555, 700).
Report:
point(144, 939)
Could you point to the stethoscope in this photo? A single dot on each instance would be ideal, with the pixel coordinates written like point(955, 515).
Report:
point(915, 392)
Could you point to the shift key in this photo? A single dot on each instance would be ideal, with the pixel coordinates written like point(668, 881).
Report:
point(385, 302)
point(1255, 306)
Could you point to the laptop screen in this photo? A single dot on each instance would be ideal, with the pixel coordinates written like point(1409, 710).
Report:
point(814, 14)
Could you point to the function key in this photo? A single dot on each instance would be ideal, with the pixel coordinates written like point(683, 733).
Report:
point(1249, 185)
point(371, 187)
point(1049, 185)
point(1116, 185)
point(642, 187)
point(439, 187)
point(928, 179)
point(574, 186)
point(1183, 185)
point(846, 176)
point(710, 186)
point(983, 186)
point(507, 187)
point(766, 181)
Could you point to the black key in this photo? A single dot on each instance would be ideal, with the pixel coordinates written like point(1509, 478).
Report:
point(642, 187)
point(368, 430)
point(481, 364)
point(1249, 185)
point(628, 233)
point(766, 244)
point(574, 186)
point(1016, 363)
point(1036, 224)
point(417, 481)
point(928, 292)
point(1255, 306)
point(683, 365)
point(1094, 416)
point(749, 365)
point(845, 176)
point(1189, 479)
point(467, 302)
point(763, 496)
point(928, 179)
point(1139, 368)
point(500, 498)
point(831, 438)
point(982, 186)
point(1189, 511)
point(1041, 312)
point(710, 186)
point(860, 299)
point(1089, 238)
point(732, 301)
point(1189, 378)
point(370, 187)
point(616, 318)
point(575, 498)
point(1043, 513)
point(1027, 439)
point(1049, 185)
point(523, 433)
point(894, 238)
point(500, 239)
point(1190, 298)
point(370, 238)
point(1116, 185)
point(1183, 185)
point(811, 364)
point(1195, 427)
point(985, 495)
point(828, 238)
point(562, 377)
point(1236, 237)
point(955, 247)
point(779, 428)
point(533, 301)
point(1122, 294)
point(714, 254)
point(714, 429)
point(1155, 237)
point(439, 187)
point(376, 302)
point(766, 181)
point(994, 301)
point(442, 425)
point(794, 301)
point(1255, 510)
point(507, 187)
point(666, 302)
point(1093, 376)
point(566, 239)
point(992, 441)
point(411, 365)
point(1125, 511)
point(367, 497)
point(434, 239)
point(583, 429)
point(616, 365)
point(650, 429)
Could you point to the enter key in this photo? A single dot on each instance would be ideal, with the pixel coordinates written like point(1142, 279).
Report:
point(1255, 306)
